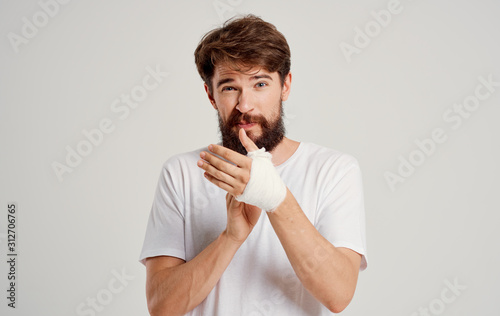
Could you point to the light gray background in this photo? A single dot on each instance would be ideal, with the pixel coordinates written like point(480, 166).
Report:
point(74, 235)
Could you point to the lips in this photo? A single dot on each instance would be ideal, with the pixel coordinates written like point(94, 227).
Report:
point(245, 120)
point(245, 125)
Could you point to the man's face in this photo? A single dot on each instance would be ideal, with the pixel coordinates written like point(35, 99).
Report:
point(252, 101)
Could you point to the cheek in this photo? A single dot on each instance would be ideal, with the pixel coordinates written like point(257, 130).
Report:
point(270, 104)
point(225, 104)
point(270, 96)
point(224, 112)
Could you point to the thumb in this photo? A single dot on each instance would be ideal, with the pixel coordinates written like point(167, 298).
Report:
point(247, 142)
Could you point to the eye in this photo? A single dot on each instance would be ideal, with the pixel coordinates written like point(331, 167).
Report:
point(261, 84)
point(228, 89)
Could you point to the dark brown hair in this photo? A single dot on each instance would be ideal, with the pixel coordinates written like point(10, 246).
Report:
point(243, 43)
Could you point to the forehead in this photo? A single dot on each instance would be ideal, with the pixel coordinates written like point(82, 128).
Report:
point(225, 71)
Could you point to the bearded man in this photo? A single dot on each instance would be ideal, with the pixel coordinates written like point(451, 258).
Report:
point(262, 224)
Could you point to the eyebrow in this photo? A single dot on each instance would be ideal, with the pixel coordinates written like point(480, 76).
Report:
point(223, 81)
point(256, 77)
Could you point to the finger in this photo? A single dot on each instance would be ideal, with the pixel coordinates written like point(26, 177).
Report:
point(220, 164)
point(230, 155)
point(246, 141)
point(221, 184)
point(216, 173)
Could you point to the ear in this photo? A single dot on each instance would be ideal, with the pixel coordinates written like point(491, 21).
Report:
point(210, 96)
point(285, 91)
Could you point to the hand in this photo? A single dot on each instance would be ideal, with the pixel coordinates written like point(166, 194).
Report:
point(241, 217)
point(231, 178)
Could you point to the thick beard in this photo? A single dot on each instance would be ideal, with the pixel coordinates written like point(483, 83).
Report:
point(272, 132)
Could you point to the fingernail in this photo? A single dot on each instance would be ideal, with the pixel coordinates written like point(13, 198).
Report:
point(202, 154)
point(200, 163)
point(210, 147)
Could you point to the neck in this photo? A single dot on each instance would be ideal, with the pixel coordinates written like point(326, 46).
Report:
point(284, 150)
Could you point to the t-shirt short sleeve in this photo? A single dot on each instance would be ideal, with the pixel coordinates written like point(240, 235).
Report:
point(165, 228)
point(341, 214)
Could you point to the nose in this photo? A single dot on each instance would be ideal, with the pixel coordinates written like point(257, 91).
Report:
point(245, 103)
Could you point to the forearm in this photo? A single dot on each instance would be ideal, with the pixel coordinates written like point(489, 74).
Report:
point(324, 270)
point(179, 289)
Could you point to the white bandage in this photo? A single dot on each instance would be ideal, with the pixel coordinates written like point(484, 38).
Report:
point(265, 189)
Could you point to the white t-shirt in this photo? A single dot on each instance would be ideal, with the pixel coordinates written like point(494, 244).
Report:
point(189, 212)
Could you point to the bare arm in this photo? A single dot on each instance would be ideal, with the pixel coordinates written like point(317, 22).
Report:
point(329, 273)
point(174, 287)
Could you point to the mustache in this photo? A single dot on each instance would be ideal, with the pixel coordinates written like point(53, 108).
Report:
point(237, 117)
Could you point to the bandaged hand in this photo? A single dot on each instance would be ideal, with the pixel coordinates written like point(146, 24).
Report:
point(251, 180)
point(265, 189)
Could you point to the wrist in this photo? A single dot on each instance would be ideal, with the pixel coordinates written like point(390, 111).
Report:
point(229, 241)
